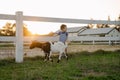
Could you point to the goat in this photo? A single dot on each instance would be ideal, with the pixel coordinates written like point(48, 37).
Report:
point(49, 48)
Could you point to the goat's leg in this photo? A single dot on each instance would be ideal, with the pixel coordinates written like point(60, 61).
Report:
point(45, 57)
point(50, 56)
point(66, 55)
point(60, 55)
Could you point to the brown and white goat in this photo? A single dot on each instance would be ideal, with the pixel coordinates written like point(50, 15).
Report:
point(49, 48)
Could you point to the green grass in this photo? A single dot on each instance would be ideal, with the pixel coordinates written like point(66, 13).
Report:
point(6, 45)
point(99, 65)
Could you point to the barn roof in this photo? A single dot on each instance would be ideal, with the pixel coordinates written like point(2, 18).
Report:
point(74, 29)
point(96, 31)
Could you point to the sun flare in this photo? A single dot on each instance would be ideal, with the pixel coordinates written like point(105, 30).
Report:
point(43, 28)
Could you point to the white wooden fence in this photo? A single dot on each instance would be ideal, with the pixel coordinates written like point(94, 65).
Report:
point(19, 18)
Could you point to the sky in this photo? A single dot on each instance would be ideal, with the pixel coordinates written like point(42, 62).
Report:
point(76, 9)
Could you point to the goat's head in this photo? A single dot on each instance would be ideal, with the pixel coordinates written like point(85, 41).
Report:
point(35, 44)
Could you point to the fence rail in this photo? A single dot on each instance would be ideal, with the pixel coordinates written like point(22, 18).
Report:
point(94, 38)
point(65, 20)
point(7, 38)
point(59, 20)
point(73, 38)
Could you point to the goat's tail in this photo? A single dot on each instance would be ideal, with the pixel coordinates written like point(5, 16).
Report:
point(50, 42)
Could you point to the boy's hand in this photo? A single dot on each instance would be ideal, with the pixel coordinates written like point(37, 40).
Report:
point(55, 34)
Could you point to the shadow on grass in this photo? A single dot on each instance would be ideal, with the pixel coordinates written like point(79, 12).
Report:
point(6, 62)
point(70, 55)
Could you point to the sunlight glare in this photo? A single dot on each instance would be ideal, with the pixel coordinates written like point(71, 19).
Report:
point(47, 27)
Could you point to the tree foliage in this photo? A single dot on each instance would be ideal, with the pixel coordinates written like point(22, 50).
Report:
point(9, 29)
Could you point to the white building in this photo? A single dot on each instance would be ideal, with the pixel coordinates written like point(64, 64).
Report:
point(100, 32)
point(73, 31)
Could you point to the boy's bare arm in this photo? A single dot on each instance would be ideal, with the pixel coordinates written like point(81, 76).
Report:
point(55, 34)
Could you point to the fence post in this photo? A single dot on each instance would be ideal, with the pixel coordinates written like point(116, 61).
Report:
point(109, 42)
point(81, 42)
point(115, 42)
point(93, 42)
point(19, 37)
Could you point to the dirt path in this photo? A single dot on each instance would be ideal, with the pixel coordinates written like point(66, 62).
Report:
point(8, 52)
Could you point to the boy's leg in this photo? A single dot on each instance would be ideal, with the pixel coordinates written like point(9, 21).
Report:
point(65, 50)
point(66, 53)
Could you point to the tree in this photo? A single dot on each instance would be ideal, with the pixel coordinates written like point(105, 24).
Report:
point(26, 32)
point(90, 25)
point(106, 26)
point(10, 29)
point(103, 25)
point(98, 26)
point(7, 30)
point(118, 28)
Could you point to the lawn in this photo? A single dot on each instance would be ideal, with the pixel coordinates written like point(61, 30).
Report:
point(98, 65)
